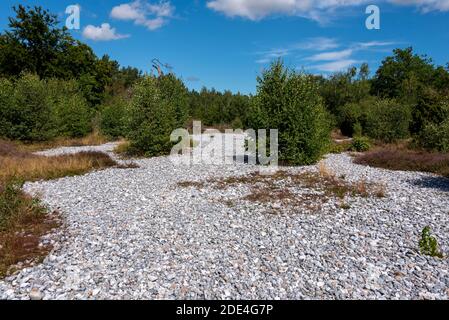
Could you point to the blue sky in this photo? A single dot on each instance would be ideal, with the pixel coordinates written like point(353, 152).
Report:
point(225, 43)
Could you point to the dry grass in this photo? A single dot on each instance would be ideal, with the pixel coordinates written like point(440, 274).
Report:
point(34, 167)
point(304, 191)
point(93, 139)
point(395, 158)
point(122, 148)
point(23, 221)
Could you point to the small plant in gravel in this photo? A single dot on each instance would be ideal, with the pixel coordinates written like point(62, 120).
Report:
point(360, 144)
point(428, 244)
point(345, 206)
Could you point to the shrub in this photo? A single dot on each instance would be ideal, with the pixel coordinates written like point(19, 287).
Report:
point(431, 107)
point(71, 112)
point(113, 118)
point(151, 120)
point(435, 137)
point(237, 124)
point(350, 116)
point(290, 102)
point(388, 120)
point(29, 117)
point(428, 244)
point(174, 92)
point(6, 106)
point(37, 110)
point(360, 144)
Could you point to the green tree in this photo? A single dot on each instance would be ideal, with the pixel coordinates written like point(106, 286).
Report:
point(32, 43)
point(151, 120)
point(113, 114)
point(35, 44)
point(396, 71)
point(175, 94)
point(31, 118)
point(7, 107)
point(71, 112)
point(290, 102)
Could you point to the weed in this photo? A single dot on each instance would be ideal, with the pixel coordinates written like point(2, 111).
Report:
point(428, 244)
point(345, 206)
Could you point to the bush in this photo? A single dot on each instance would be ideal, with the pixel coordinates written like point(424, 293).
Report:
point(151, 120)
point(237, 124)
point(352, 117)
point(388, 120)
point(70, 109)
point(290, 102)
point(113, 118)
point(36, 110)
point(29, 117)
point(428, 244)
point(6, 107)
point(174, 92)
point(435, 137)
point(360, 144)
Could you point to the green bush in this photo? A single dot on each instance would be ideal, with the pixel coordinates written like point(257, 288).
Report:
point(237, 124)
point(388, 120)
point(6, 107)
point(113, 118)
point(71, 113)
point(151, 120)
point(352, 116)
point(290, 102)
point(428, 244)
point(360, 144)
point(435, 137)
point(30, 117)
point(37, 110)
point(175, 93)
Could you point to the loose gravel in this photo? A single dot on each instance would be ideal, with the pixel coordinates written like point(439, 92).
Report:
point(137, 234)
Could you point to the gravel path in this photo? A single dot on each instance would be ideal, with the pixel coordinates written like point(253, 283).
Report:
point(134, 233)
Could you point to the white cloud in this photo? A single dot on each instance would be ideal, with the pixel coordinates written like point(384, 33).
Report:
point(425, 5)
point(317, 44)
point(311, 44)
point(333, 55)
point(370, 44)
point(151, 15)
point(341, 60)
point(103, 33)
point(313, 9)
point(335, 66)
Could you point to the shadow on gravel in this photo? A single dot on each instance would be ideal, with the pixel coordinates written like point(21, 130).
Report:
point(439, 183)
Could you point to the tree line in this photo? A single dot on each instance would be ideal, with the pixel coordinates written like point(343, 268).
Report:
point(53, 85)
